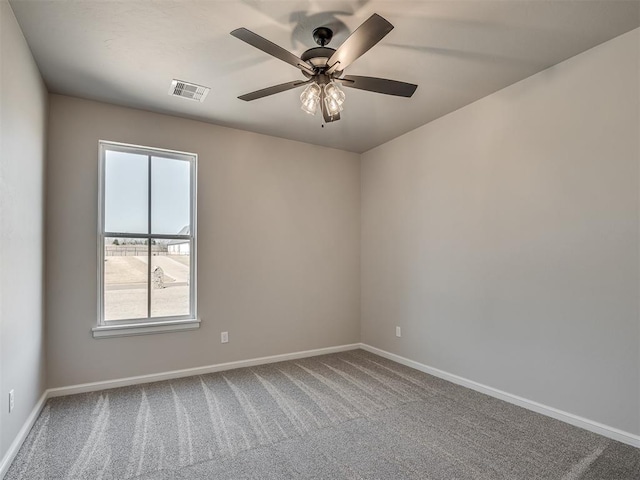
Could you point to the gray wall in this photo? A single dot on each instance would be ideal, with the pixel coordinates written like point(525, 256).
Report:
point(503, 239)
point(278, 246)
point(23, 112)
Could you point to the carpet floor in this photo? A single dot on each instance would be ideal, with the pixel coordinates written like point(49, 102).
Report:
point(351, 415)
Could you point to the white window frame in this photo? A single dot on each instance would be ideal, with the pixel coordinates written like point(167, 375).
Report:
point(139, 326)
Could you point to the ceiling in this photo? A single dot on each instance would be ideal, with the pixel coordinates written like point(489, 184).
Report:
point(127, 53)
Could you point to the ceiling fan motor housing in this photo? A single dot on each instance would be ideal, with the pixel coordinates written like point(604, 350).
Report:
point(317, 56)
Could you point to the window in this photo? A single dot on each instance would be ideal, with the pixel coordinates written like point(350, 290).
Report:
point(147, 240)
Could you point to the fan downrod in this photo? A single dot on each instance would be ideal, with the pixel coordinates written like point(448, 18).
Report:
point(322, 35)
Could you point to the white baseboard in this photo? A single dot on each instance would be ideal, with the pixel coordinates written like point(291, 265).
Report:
point(575, 420)
point(189, 372)
point(5, 463)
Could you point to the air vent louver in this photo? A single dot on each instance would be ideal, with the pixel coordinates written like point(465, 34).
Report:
point(188, 90)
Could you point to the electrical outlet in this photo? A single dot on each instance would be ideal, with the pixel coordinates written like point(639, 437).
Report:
point(398, 332)
point(224, 337)
point(11, 400)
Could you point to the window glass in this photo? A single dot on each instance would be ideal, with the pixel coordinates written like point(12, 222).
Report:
point(170, 279)
point(126, 192)
point(147, 256)
point(125, 278)
point(170, 196)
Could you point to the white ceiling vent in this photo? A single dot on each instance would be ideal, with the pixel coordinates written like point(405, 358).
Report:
point(188, 90)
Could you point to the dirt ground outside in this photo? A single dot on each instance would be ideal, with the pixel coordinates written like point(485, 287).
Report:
point(126, 286)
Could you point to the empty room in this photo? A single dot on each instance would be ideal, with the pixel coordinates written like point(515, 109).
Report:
point(353, 239)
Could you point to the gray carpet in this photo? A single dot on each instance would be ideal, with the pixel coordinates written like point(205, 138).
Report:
point(349, 415)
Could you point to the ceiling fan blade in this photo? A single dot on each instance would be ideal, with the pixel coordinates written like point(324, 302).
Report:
point(378, 85)
point(366, 36)
point(271, 48)
point(325, 114)
point(265, 92)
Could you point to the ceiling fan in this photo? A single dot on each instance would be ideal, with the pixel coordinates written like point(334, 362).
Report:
point(323, 67)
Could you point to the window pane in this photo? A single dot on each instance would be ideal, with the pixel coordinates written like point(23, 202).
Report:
point(170, 278)
point(125, 278)
point(126, 202)
point(170, 196)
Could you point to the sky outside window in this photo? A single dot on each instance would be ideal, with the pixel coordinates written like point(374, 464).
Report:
point(127, 194)
point(170, 195)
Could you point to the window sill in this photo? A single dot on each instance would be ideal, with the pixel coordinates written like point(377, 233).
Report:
point(130, 329)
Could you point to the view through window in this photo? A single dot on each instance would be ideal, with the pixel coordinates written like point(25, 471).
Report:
point(147, 234)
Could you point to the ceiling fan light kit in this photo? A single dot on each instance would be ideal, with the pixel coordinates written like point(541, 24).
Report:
point(324, 66)
point(329, 94)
